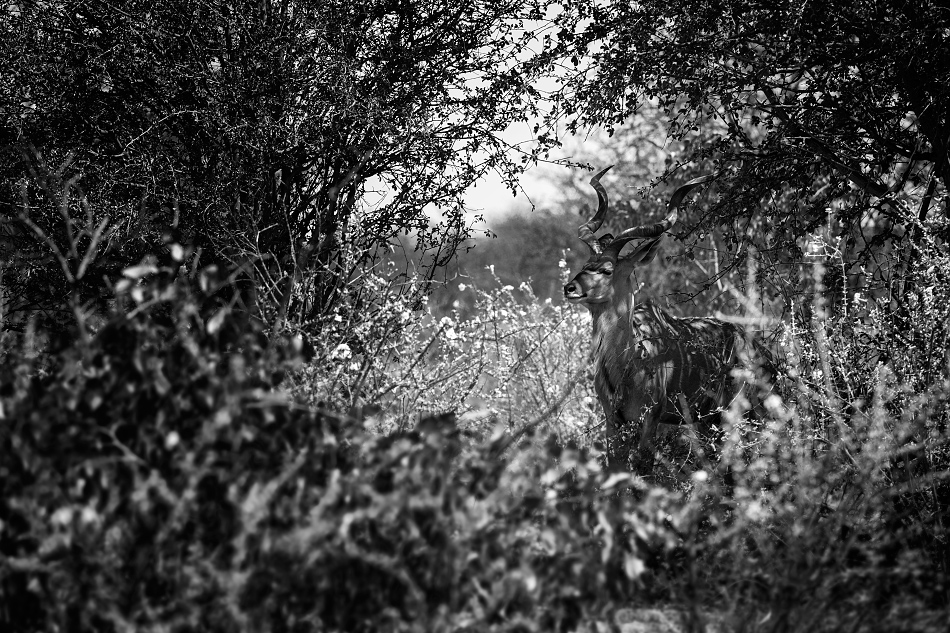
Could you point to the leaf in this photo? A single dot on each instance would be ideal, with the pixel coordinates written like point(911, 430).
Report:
point(139, 271)
point(215, 322)
point(617, 479)
point(633, 567)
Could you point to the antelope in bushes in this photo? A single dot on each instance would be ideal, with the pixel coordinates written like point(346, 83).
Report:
point(649, 366)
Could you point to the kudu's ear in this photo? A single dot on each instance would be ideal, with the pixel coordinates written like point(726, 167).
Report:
point(643, 253)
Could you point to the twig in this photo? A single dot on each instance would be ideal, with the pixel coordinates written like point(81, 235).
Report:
point(504, 443)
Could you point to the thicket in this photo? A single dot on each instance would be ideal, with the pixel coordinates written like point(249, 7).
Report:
point(225, 403)
point(294, 142)
point(154, 476)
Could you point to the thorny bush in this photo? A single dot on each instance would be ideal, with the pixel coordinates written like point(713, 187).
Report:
point(153, 477)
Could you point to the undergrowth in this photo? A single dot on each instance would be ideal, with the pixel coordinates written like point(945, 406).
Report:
point(171, 469)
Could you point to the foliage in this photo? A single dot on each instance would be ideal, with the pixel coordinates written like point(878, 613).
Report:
point(292, 141)
point(831, 114)
point(152, 478)
point(173, 458)
point(506, 362)
point(826, 505)
point(841, 482)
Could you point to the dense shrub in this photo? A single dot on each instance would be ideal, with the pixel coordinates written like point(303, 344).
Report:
point(157, 473)
point(838, 515)
point(152, 477)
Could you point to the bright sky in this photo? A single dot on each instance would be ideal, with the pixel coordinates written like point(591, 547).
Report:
point(493, 199)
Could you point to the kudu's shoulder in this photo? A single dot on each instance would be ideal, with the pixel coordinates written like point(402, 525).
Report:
point(651, 315)
point(693, 335)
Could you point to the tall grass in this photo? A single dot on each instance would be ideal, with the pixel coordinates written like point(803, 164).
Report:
point(511, 361)
point(825, 506)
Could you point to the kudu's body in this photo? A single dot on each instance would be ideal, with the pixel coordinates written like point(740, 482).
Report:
point(650, 367)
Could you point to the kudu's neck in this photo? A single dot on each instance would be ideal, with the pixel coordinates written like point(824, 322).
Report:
point(613, 315)
point(614, 342)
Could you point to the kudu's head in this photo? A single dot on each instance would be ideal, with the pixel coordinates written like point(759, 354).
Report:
point(607, 274)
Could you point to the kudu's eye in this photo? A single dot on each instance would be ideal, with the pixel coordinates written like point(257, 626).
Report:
point(607, 271)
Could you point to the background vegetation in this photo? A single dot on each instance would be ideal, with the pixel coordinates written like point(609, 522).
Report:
point(232, 399)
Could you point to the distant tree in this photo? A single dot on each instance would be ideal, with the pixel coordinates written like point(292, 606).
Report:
point(523, 247)
point(289, 141)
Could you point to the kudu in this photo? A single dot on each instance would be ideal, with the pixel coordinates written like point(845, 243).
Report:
point(650, 367)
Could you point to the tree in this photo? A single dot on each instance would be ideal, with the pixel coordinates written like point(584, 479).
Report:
point(818, 114)
point(288, 141)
